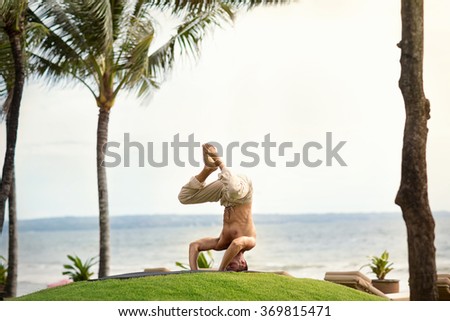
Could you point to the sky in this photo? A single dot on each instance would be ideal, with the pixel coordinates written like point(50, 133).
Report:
point(295, 73)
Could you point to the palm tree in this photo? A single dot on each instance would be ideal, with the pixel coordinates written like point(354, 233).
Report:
point(412, 195)
point(108, 46)
point(12, 79)
point(13, 248)
point(12, 24)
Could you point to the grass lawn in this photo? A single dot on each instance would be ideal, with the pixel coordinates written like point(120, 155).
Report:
point(203, 287)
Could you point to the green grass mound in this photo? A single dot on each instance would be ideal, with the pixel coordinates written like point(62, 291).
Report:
point(203, 287)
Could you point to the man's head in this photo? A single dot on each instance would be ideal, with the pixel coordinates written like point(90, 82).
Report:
point(237, 264)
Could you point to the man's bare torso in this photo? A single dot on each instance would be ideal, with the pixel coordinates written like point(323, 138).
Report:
point(237, 222)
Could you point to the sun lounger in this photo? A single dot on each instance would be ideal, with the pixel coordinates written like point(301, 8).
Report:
point(158, 269)
point(443, 285)
point(355, 280)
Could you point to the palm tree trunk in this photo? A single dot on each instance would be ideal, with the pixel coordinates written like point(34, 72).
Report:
point(412, 196)
point(102, 139)
point(11, 281)
point(15, 39)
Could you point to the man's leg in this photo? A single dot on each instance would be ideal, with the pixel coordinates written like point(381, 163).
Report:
point(209, 166)
point(203, 175)
point(243, 243)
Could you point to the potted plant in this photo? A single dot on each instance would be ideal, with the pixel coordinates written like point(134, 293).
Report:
point(3, 273)
point(79, 271)
point(202, 261)
point(381, 266)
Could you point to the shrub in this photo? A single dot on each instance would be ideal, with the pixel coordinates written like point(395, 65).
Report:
point(3, 270)
point(380, 265)
point(202, 261)
point(79, 271)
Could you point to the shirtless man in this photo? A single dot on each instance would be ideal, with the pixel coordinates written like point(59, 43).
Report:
point(235, 193)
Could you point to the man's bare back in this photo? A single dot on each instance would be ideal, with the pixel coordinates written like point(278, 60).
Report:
point(235, 193)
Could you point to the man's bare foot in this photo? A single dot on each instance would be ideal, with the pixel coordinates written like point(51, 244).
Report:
point(210, 156)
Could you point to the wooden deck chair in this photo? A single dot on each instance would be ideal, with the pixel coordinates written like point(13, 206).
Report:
point(443, 285)
point(355, 280)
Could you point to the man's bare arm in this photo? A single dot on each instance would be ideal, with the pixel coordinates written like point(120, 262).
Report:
point(243, 243)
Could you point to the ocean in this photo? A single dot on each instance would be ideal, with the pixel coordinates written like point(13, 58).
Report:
point(305, 246)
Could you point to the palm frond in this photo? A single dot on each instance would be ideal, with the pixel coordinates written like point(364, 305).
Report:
point(6, 66)
point(188, 38)
point(139, 7)
point(249, 4)
point(85, 40)
point(61, 73)
point(57, 41)
point(11, 11)
point(5, 102)
point(118, 7)
point(178, 7)
point(62, 51)
point(137, 62)
point(63, 36)
point(133, 54)
point(75, 30)
point(95, 19)
point(10, 14)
